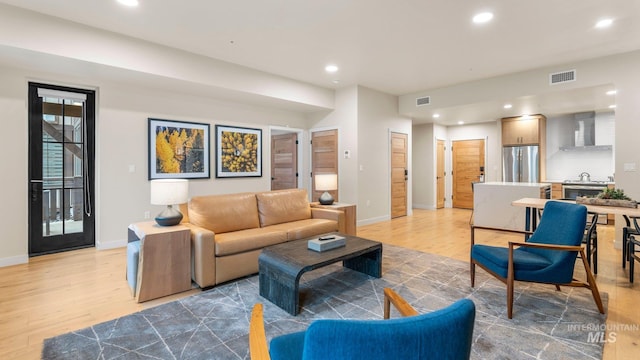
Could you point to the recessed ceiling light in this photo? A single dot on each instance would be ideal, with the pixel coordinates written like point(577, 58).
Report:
point(129, 2)
point(611, 92)
point(336, 81)
point(482, 17)
point(460, 122)
point(507, 106)
point(435, 116)
point(331, 68)
point(612, 106)
point(604, 23)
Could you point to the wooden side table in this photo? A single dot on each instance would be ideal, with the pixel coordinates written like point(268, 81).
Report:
point(349, 214)
point(164, 265)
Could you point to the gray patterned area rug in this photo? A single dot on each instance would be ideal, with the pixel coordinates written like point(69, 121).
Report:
point(214, 324)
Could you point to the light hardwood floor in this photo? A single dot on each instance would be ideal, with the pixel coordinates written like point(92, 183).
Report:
point(54, 294)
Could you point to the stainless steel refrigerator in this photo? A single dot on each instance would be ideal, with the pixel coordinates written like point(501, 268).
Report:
point(521, 164)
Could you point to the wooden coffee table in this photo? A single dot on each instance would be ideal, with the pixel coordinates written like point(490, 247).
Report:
point(282, 265)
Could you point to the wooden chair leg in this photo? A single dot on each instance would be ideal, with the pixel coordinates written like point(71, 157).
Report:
point(472, 271)
point(592, 283)
point(510, 280)
point(387, 307)
point(557, 287)
point(472, 265)
point(510, 298)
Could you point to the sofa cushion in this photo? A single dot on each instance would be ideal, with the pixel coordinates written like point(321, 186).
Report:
point(281, 206)
point(247, 240)
point(224, 213)
point(306, 228)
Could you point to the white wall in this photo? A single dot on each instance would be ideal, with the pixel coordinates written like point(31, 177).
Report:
point(13, 213)
point(424, 166)
point(345, 119)
point(562, 165)
point(377, 118)
point(122, 197)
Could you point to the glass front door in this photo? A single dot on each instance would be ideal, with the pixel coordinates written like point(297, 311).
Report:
point(61, 147)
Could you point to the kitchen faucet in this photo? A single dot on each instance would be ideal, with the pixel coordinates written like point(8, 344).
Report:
point(585, 177)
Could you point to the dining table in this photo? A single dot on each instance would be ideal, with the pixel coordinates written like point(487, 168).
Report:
point(531, 216)
point(531, 220)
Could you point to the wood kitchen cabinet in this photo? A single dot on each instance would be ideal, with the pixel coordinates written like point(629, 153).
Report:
point(521, 130)
point(556, 191)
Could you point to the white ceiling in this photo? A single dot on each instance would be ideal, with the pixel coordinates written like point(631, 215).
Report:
point(397, 47)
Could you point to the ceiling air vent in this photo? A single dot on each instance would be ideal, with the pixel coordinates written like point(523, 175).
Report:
point(562, 77)
point(423, 101)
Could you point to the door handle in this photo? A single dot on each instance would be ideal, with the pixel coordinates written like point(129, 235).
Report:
point(35, 184)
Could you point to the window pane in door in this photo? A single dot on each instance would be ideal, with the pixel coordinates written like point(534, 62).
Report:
point(62, 156)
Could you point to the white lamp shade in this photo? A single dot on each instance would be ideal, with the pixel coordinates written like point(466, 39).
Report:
point(326, 182)
point(169, 191)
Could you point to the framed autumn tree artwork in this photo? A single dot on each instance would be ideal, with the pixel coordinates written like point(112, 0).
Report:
point(178, 150)
point(238, 151)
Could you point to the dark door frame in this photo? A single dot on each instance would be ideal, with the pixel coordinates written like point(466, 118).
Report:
point(57, 243)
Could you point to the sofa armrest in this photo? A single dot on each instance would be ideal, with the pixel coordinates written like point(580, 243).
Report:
point(330, 214)
point(203, 262)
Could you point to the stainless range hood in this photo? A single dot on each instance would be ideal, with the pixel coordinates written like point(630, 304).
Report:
point(584, 133)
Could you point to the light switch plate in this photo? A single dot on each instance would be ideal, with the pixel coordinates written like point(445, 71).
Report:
point(629, 166)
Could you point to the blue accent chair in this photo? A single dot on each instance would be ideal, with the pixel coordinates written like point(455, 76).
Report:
point(548, 256)
point(442, 334)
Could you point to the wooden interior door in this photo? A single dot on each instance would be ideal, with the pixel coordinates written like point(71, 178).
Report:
point(468, 157)
point(284, 161)
point(399, 174)
point(440, 175)
point(324, 158)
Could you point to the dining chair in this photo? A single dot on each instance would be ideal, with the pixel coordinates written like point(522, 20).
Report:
point(627, 231)
point(632, 242)
point(590, 241)
point(547, 256)
point(442, 334)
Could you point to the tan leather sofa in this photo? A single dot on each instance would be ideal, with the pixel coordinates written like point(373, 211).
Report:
point(229, 231)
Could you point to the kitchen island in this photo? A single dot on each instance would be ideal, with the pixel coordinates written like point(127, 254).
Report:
point(492, 203)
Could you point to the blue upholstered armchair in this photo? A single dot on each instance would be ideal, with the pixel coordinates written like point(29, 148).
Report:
point(442, 334)
point(548, 256)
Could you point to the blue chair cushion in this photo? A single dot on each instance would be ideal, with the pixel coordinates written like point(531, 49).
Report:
point(496, 259)
point(133, 254)
point(442, 334)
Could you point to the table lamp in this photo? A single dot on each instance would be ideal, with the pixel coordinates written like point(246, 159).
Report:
point(326, 183)
point(169, 192)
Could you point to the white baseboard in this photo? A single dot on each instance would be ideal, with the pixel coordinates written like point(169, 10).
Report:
point(373, 220)
point(111, 244)
point(425, 207)
point(14, 260)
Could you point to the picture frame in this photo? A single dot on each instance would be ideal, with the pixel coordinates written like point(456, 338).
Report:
point(178, 150)
point(238, 152)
